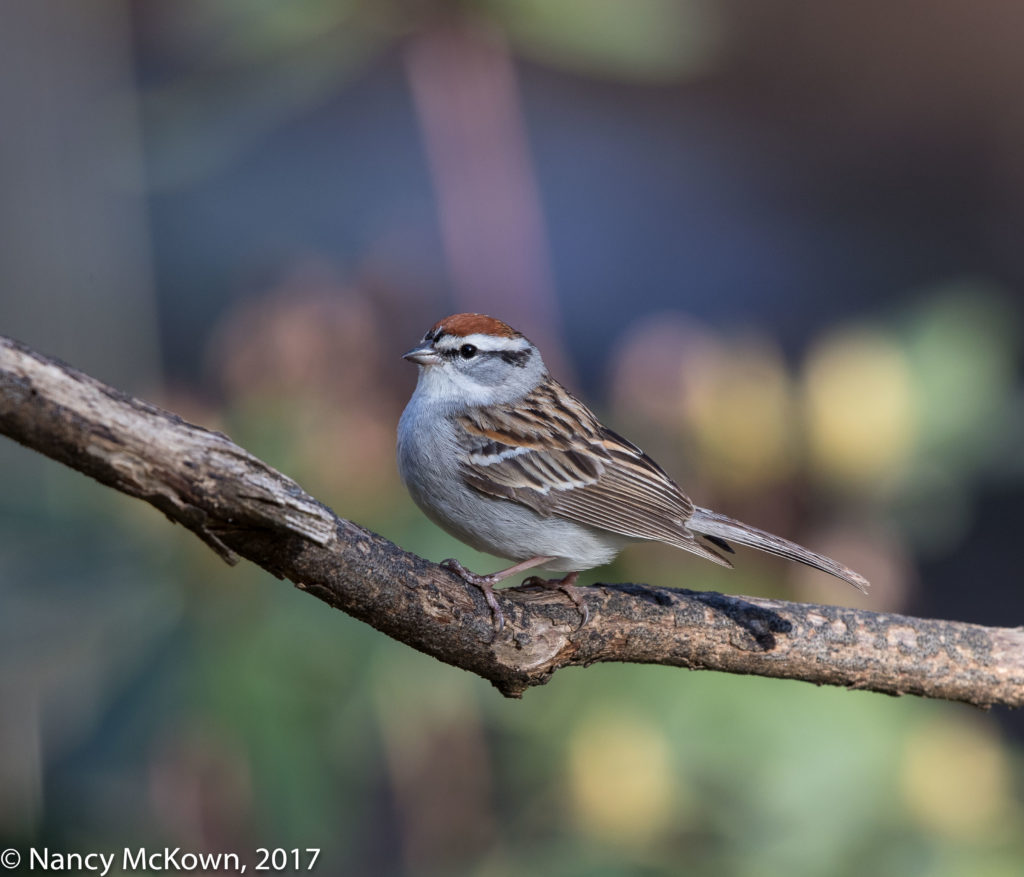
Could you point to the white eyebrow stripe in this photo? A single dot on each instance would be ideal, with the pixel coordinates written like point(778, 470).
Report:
point(486, 343)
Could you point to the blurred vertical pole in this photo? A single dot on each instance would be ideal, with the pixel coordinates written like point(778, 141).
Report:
point(75, 274)
point(466, 95)
point(74, 241)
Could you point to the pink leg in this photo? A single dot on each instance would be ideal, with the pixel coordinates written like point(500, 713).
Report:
point(487, 583)
point(568, 587)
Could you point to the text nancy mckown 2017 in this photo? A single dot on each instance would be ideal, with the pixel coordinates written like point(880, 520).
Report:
point(169, 859)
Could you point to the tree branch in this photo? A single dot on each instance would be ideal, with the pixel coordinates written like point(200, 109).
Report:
point(240, 506)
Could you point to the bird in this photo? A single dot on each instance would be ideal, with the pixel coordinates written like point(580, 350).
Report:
point(501, 456)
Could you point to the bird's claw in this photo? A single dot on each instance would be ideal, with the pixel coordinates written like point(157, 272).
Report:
point(485, 584)
point(568, 587)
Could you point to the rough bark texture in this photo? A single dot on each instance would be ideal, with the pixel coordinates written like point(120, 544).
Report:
point(242, 507)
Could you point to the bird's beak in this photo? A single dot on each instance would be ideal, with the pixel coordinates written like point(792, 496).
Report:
point(422, 355)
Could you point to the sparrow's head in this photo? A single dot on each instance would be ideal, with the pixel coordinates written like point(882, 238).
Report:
point(476, 360)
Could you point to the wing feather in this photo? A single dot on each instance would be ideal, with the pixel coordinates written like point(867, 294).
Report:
point(550, 453)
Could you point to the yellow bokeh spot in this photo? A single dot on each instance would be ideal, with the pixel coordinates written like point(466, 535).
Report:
point(859, 408)
point(955, 780)
point(621, 780)
point(741, 408)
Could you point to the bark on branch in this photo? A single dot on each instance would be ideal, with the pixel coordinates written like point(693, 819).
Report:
point(241, 507)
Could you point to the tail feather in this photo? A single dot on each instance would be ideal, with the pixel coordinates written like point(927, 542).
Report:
point(715, 527)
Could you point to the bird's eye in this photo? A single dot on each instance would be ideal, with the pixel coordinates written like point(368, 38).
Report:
point(467, 351)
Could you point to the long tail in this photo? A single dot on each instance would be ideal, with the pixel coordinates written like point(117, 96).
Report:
point(716, 526)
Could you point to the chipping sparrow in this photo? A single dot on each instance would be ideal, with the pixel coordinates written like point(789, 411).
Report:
point(500, 455)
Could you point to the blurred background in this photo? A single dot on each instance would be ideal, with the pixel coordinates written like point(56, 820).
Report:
point(776, 244)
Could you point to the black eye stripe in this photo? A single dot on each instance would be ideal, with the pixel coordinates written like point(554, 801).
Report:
point(518, 358)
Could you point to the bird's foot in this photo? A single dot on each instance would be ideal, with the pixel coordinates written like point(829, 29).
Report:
point(485, 584)
point(568, 587)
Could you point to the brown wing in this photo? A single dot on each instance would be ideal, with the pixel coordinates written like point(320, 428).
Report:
point(549, 452)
